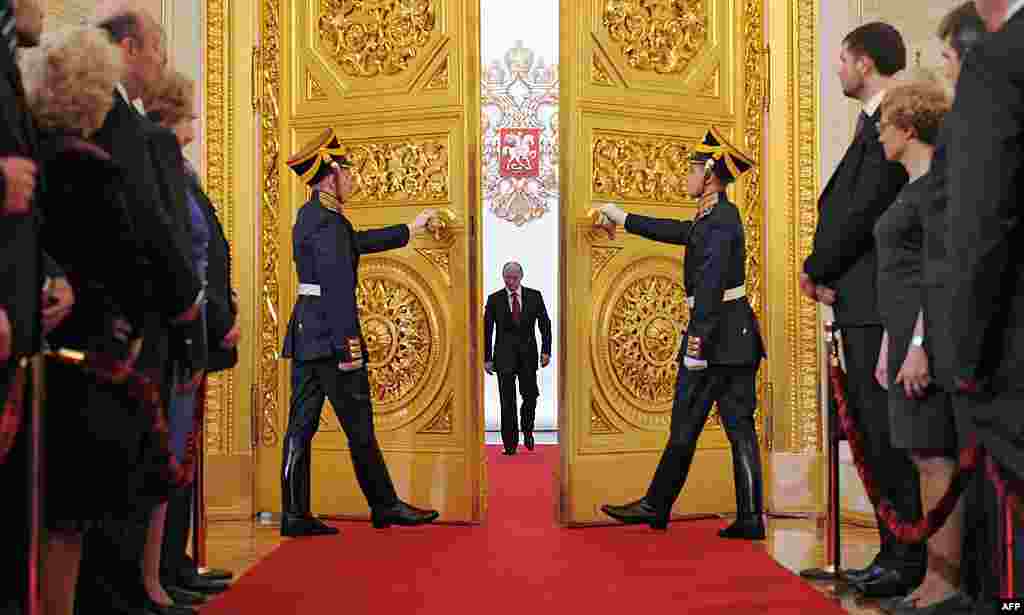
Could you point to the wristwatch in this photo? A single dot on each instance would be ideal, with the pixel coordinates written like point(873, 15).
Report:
point(917, 340)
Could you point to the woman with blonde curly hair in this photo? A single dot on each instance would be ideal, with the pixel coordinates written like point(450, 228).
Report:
point(103, 448)
point(920, 414)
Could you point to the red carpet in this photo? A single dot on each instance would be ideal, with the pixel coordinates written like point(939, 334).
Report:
point(520, 561)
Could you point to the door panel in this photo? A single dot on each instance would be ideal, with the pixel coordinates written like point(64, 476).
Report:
point(641, 82)
point(397, 79)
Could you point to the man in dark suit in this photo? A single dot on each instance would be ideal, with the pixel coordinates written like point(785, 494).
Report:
point(20, 277)
point(841, 272)
point(326, 344)
point(517, 311)
point(721, 348)
point(111, 577)
point(986, 252)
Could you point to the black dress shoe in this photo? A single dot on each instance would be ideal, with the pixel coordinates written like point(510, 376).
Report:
point(635, 513)
point(855, 576)
point(509, 451)
point(402, 514)
point(528, 441)
point(751, 528)
point(888, 584)
point(152, 608)
point(202, 586)
point(216, 574)
point(183, 597)
point(295, 525)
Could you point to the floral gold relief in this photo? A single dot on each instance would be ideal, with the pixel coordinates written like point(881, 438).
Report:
point(662, 36)
point(440, 79)
point(638, 323)
point(367, 38)
point(402, 171)
point(442, 422)
point(640, 168)
point(219, 109)
point(267, 378)
point(404, 338)
point(600, 256)
point(440, 258)
point(598, 72)
point(599, 422)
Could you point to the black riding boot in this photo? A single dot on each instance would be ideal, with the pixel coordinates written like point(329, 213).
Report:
point(296, 519)
point(746, 467)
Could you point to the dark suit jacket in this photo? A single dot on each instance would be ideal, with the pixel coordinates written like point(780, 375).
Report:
point(188, 342)
point(326, 253)
point(515, 347)
point(172, 286)
point(20, 269)
point(986, 238)
point(843, 257)
point(716, 257)
point(220, 309)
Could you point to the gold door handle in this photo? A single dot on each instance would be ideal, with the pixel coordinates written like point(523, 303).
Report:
point(441, 225)
point(601, 223)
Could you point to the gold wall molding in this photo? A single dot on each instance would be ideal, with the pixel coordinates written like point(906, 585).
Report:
point(712, 85)
point(752, 209)
point(600, 256)
point(440, 258)
point(802, 315)
point(401, 171)
point(268, 394)
point(442, 422)
point(219, 421)
point(367, 38)
point(439, 80)
point(640, 168)
point(662, 36)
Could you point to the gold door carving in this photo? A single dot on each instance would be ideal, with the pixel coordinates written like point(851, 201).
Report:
point(392, 77)
point(649, 78)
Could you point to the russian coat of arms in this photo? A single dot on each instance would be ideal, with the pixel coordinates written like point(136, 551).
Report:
point(520, 152)
point(520, 136)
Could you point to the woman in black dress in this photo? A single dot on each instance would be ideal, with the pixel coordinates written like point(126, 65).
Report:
point(920, 414)
point(103, 435)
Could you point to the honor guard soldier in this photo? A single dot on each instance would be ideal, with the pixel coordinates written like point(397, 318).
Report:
point(721, 348)
point(326, 345)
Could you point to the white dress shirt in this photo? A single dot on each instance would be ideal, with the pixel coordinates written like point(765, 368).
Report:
point(875, 102)
point(1015, 6)
point(518, 292)
point(137, 103)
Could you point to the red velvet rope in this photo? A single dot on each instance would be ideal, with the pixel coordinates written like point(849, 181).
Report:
point(11, 414)
point(970, 460)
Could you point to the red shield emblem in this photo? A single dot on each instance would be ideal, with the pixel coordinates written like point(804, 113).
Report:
point(520, 152)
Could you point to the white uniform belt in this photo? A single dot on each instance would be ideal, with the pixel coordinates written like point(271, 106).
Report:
point(731, 294)
point(309, 290)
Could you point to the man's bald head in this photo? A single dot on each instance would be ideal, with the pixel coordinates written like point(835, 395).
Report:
point(140, 38)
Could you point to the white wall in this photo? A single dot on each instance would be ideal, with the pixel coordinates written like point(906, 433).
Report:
point(534, 245)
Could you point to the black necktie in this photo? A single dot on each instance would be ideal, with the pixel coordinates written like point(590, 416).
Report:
point(862, 121)
point(7, 31)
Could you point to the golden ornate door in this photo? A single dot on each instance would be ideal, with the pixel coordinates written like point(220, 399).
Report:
point(399, 81)
point(641, 81)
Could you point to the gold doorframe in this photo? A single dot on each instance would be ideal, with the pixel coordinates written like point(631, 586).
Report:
point(237, 400)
